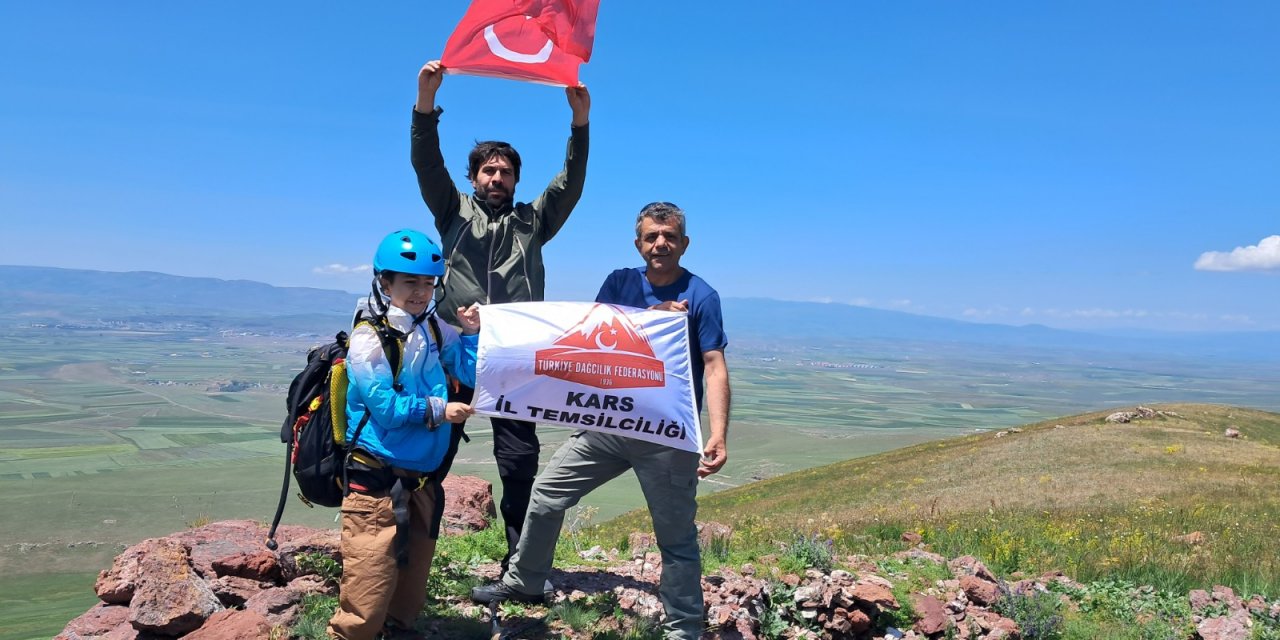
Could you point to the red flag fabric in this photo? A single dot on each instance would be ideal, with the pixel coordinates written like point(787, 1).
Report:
point(533, 40)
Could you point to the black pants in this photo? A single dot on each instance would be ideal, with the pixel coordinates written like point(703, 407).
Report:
point(515, 448)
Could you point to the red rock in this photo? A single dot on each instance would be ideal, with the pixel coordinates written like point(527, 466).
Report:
point(468, 504)
point(840, 622)
point(232, 625)
point(261, 566)
point(710, 532)
point(1234, 626)
point(1256, 605)
point(1199, 599)
point(327, 542)
point(233, 591)
point(916, 553)
point(911, 537)
point(279, 605)
point(859, 621)
point(172, 599)
point(304, 585)
point(933, 615)
point(874, 594)
point(1003, 628)
point(640, 543)
point(117, 584)
point(971, 566)
point(980, 591)
point(1227, 596)
point(95, 622)
point(219, 540)
point(122, 631)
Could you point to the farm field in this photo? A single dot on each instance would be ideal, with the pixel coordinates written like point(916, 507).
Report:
point(111, 437)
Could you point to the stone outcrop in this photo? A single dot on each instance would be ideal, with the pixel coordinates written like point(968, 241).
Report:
point(212, 583)
point(1138, 413)
point(220, 580)
point(468, 504)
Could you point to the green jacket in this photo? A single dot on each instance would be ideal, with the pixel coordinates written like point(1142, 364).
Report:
point(492, 256)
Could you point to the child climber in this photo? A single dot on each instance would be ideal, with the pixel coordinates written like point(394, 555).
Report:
point(391, 517)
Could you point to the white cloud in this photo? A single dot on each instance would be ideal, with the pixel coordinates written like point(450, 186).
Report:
point(900, 302)
point(1237, 319)
point(984, 314)
point(1264, 256)
point(336, 269)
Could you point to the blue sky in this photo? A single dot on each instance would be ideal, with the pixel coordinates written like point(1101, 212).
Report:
point(1067, 164)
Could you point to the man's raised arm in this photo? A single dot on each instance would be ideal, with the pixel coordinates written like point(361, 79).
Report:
point(557, 202)
point(434, 182)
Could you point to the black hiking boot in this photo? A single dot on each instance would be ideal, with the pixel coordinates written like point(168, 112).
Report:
point(501, 592)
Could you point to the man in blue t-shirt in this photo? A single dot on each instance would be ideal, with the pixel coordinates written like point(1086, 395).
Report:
point(668, 476)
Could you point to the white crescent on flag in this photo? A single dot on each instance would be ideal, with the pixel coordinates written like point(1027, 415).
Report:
point(591, 366)
point(543, 41)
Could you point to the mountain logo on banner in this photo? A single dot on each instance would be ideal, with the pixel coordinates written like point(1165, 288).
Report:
point(605, 351)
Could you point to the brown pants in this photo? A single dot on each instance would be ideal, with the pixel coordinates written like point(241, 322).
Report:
point(374, 590)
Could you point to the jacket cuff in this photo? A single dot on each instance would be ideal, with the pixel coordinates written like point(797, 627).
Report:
point(435, 411)
point(423, 119)
point(418, 412)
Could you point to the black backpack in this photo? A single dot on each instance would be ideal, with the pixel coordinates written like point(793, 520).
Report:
point(314, 432)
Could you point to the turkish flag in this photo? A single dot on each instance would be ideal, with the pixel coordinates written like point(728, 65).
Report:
point(533, 40)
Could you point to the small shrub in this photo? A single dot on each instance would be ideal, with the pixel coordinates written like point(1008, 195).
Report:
point(773, 625)
point(452, 577)
point(715, 552)
point(1038, 614)
point(321, 565)
point(579, 519)
point(809, 552)
point(199, 521)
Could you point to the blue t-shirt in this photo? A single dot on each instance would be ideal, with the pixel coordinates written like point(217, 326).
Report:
point(706, 324)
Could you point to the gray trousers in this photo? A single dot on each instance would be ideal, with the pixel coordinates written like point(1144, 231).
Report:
point(669, 479)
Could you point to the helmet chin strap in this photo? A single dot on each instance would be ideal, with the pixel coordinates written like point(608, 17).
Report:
point(380, 305)
point(436, 298)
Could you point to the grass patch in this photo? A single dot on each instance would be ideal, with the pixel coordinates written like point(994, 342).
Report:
point(313, 618)
point(39, 606)
point(1045, 498)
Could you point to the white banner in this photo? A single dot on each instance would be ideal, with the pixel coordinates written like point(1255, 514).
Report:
point(584, 365)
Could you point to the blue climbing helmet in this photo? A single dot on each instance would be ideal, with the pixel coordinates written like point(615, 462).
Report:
point(409, 251)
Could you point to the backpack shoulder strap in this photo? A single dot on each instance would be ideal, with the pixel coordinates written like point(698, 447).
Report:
point(434, 324)
point(392, 347)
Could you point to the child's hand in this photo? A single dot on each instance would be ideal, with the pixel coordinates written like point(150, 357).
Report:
point(456, 412)
point(469, 318)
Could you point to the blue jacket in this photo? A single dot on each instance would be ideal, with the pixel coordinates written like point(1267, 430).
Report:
point(400, 430)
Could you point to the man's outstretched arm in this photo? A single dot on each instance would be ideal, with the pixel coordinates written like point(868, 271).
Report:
point(716, 376)
point(434, 182)
point(557, 202)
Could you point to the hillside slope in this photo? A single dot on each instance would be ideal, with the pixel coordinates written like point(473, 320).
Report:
point(1167, 500)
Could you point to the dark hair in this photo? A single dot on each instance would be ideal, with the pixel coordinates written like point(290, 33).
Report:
point(661, 212)
point(489, 149)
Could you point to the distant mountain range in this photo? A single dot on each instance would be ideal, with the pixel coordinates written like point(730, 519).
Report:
point(52, 295)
